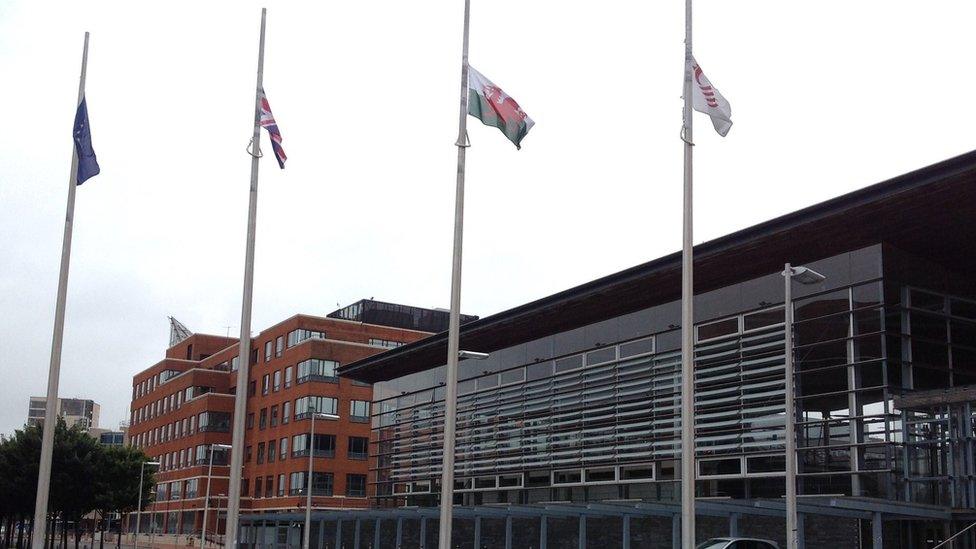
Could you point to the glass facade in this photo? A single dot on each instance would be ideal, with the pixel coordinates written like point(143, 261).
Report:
point(593, 413)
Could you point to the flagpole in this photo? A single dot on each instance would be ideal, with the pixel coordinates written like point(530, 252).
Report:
point(54, 372)
point(453, 335)
point(687, 314)
point(244, 350)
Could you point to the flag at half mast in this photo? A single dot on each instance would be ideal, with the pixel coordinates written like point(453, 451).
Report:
point(268, 123)
point(707, 99)
point(488, 103)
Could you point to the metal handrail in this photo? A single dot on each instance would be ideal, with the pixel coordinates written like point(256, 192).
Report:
point(956, 535)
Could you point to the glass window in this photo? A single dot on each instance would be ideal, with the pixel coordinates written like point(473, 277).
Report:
point(569, 363)
point(267, 350)
point(718, 329)
point(283, 448)
point(288, 376)
point(268, 486)
point(272, 450)
point(277, 381)
point(606, 354)
point(257, 487)
point(356, 485)
point(639, 347)
point(513, 376)
point(322, 484)
point(265, 384)
point(279, 346)
point(318, 370)
point(274, 416)
point(358, 448)
point(359, 410)
point(320, 404)
point(281, 485)
point(263, 421)
point(260, 453)
point(297, 336)
point(761, 319)
point(286, 412)
point(713, 467)
point(297, 483)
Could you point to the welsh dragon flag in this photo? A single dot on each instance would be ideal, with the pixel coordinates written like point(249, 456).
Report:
point(488, 103)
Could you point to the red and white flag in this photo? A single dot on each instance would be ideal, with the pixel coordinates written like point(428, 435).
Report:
point(707, 99)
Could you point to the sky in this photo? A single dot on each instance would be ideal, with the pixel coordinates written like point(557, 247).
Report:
point(827, 97)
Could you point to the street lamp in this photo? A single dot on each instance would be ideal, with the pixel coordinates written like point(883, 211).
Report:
point(206, 500)
point(142, 469)
point(311, 454)
point(447, 462)
point(803, 275)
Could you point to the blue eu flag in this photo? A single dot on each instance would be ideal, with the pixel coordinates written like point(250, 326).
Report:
point(87, 163)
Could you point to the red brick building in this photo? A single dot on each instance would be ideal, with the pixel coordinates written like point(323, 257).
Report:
point(184, 404)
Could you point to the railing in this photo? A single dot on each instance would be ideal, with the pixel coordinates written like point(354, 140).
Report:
point(954, 536)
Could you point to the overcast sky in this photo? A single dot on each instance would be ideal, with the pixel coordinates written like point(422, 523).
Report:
point(827, 97)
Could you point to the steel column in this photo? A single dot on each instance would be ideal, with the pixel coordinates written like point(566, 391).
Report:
point(876, 532)
point(676, 531)
point(800, 536)
point(582, 532)
point(626, 540)
point(376, 533)
point(355, 539)
point(477, 532)
point(338, 538)
point(399, 533)
point(508, 532)
point(543, 533)
point(423, 532)
point(734, 525)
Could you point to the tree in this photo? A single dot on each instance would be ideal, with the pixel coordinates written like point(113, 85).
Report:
point(118, 487)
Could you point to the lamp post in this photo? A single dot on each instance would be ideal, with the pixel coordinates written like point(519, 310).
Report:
point(803, 275)
point(206, 500)
point(142, 469)
point(308, 484)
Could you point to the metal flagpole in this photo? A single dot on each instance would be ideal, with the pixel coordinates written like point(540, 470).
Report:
point(244, 352)
point(450, 393)
point(687, 316)
point(38, 539)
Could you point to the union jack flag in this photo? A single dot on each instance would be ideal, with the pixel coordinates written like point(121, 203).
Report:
point(268, 123)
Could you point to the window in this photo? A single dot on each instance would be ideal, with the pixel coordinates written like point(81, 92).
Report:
point(297, 483)
point(243, 486)
point(263, 421)
point(234, 364)
point(272, 451)
point(267, 350)
point(257, 487)
point(260, 455)
point(358, 448)
point(317, 370)
point(324, 445)
point(201, 456)
point(250, 420)
point(297, 336)
point(265, 384)
point(283, 448)
point(320, 404)
point(286, 412)
point(288, 376)
point(277, 381)
point(193, 424)
point(322, 484)
point(279, 346)
point(274, 415)
point(191, 488)
point(247, 454)
point(356, 486)
point(385, 343)
point(218, 422)
point(268, 486)
point(281, 485)
point(359, 410)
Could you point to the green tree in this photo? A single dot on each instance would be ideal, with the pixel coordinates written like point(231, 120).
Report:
point(118, 482)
